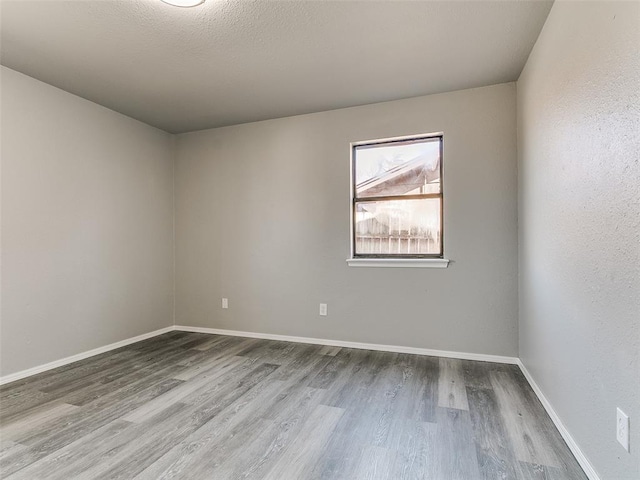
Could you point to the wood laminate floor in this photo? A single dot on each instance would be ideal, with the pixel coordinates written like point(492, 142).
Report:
point(197, 406)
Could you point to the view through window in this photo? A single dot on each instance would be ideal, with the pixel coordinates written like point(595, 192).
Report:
point(397, 198)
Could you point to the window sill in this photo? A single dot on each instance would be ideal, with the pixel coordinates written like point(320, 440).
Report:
point(399, 262)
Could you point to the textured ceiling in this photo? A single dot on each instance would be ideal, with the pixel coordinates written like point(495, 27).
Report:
point(229, 61)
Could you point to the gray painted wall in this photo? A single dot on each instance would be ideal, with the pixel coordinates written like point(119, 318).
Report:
point(87, 225)
point(262, 217)
point(579, 227)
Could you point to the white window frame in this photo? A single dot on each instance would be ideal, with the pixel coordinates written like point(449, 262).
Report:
point(411, 262)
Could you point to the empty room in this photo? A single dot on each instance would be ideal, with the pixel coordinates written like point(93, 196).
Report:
point(320, 239)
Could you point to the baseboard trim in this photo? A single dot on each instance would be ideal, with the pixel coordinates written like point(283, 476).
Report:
point(363, 346)
point(267, 336)
point(80, 356)
point(571, 443)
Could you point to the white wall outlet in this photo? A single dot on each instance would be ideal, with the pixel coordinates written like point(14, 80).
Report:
point(622, 429)
point(323, 309)
point(225, 303)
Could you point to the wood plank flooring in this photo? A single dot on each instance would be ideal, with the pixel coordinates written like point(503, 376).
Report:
point(196, 406)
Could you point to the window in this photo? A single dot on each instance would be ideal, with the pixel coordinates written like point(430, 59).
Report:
point(397, 199)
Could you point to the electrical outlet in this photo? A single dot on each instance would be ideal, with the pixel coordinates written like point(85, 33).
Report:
point(323, 309)
point(225, 303)
point(622, 429)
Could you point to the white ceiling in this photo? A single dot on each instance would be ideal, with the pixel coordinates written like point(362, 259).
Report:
point(235, 61)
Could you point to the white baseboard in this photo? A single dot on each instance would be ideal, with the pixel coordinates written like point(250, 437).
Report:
point(286, 338)
point(363, 346)
point(81, 356)
point(573, 446)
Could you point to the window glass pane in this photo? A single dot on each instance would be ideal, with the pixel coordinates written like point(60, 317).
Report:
point(404, 168)
point(398, 227)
